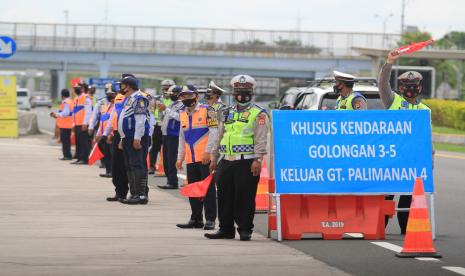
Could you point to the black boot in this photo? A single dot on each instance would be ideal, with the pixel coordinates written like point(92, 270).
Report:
point(245, 235)
point(114, 198)
point(209, 225)
point(191, 224)
point(220, 234)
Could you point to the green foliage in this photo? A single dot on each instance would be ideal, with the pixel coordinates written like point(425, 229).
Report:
point(452, 40)
point(449, 147)
point(288, 43)
point(252, 43)
point(447, 113)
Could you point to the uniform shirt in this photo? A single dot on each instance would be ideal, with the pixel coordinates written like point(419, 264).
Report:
point(66, 112)
point(212, 132)
point(94, 119)
point(137, 107)
point(170, 124)
point(88, 110)
point(260, 132)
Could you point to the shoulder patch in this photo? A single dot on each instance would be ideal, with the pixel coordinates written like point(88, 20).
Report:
point(261, 118)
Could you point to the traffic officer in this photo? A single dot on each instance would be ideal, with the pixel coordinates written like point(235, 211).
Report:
point(64, 120)
point(82, 111)
point(119, 175)
point(197, 136)
point(407, 98)
point(134, 128)
point(170, 129)
point(348, 99)
point(105, 113)
point(157, 136)
point(242, 137)
point(213, 97)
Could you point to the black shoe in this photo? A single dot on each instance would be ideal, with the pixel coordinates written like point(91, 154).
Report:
point(191, 224)
point(114, 198)
point(167, 187)
point(135, 200)
point(108, 175)
point(75, 162)
point(245, 236)
point(82, 163)
point(219, 235)
point(209, 225)
point(66, 158)
point(151, 171)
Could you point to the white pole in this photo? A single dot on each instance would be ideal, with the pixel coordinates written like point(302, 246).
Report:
point(278, 216)
point(433, 217)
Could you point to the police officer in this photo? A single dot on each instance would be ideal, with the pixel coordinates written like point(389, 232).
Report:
point(170, 129)
point(348, 99)
point(408, 99)
point(82, 112)
point(197, 136)
point(134, 128)
point(213, 96)
point(119, 175)
point(157, 136)
point(64, 120)
point(243, 140)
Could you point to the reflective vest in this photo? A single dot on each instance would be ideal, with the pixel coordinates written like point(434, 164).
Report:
point(120, 100)
point(105, 112)
point(400, 103)
point(68, 121)
point(127, 117)
point(238, 137)
point(79, 111)
point(217, 106)
point(195, 129)
point(346, 103)
point(157, 114)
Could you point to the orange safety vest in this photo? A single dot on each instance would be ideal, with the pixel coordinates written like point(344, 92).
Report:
point(66, 122)
point(119, 104)
point(195, 130)
point(105, 113)
point(79, 111)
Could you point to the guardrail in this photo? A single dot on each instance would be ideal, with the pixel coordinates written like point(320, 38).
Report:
point(183, 40)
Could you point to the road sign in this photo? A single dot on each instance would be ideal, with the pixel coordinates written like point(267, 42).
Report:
point(100, 82)
point(8, 109)
point(7, 91)
point(8, 113)
point(344, 152)
point(7, 47)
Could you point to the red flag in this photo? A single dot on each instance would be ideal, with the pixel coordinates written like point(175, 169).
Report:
point(414, 47)
point(197, 189)
point(95, 155)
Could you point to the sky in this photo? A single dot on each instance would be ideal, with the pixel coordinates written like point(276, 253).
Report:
point(436, 17)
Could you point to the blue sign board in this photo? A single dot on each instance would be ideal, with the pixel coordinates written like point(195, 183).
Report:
point(7, 47)
point(351, 152)
point(100, 82)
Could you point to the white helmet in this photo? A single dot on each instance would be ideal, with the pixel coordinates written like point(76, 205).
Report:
point(215, 88)
point(167, 82)
point(243, 82)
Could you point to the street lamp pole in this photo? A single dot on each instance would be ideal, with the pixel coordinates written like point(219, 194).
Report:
point(384, 20)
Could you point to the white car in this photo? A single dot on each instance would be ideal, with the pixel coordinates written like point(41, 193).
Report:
point(23, 98)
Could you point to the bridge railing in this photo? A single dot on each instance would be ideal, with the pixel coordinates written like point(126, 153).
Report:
point(183, 40)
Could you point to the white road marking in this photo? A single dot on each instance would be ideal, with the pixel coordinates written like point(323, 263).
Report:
point(427, 259)
point(456, 269)
point(389, 246)
point(354, 235)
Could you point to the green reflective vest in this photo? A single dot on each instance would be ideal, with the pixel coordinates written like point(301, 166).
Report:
point(400, 103)
point(217, 106)
point(346, 103)
point(166, 102)
point(238, 137)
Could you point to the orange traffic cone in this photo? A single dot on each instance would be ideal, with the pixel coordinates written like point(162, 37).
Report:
point(261, 199)
point(418, 239)
point(159, 167)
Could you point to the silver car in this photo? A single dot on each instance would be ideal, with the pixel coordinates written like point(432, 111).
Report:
point(41, 99)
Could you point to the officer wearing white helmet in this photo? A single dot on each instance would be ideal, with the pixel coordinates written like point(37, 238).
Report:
point(408, 99)
point(348, 99)
point(160, 105)
point(213, 96)
point(242, 136)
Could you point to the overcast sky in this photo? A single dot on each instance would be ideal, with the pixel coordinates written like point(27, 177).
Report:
point(437, 17)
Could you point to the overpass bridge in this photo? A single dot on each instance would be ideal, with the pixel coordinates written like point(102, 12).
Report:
point(216, 52)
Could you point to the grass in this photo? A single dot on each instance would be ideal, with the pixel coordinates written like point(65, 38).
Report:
point(447, 130)
point(449, 147)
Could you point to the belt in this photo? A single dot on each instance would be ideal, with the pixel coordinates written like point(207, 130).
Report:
point(235, 157)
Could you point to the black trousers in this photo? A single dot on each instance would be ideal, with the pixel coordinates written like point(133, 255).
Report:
point(402, 217)
point(119, 175)
point(136, 164)
point(157, 138)
point(65, 138)
point(196, 172)
point(77, 131)
point(170, 156)
point(237, 188)
point(84, 143)
point(106, 150)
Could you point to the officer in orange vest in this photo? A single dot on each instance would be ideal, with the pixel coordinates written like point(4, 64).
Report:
point(197, 136)
point(65, 121)
point(82, 112)
point(105, 112)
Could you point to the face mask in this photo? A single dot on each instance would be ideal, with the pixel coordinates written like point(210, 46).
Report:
point(207, 96)
point(245, 97)
point(337, 89)
point(410, 91)
point(189, 102)
point(174, 97)
point(110, 97)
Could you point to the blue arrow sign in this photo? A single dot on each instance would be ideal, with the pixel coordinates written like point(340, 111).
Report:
point(7, 47)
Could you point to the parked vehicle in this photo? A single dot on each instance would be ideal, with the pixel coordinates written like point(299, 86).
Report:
point(41, 99)
point(23, 98)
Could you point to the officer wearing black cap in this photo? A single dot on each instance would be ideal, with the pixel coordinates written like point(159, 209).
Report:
point(408, 99)
point(134, 128)
point(348, 99)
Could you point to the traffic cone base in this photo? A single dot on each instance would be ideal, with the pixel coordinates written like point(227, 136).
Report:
point(419, 254)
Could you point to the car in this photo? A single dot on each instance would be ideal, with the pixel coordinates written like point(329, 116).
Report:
point(41, 99)
point(319, 95)
point(22, 98)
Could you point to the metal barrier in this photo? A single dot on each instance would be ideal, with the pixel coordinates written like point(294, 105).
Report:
point(183, 40)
